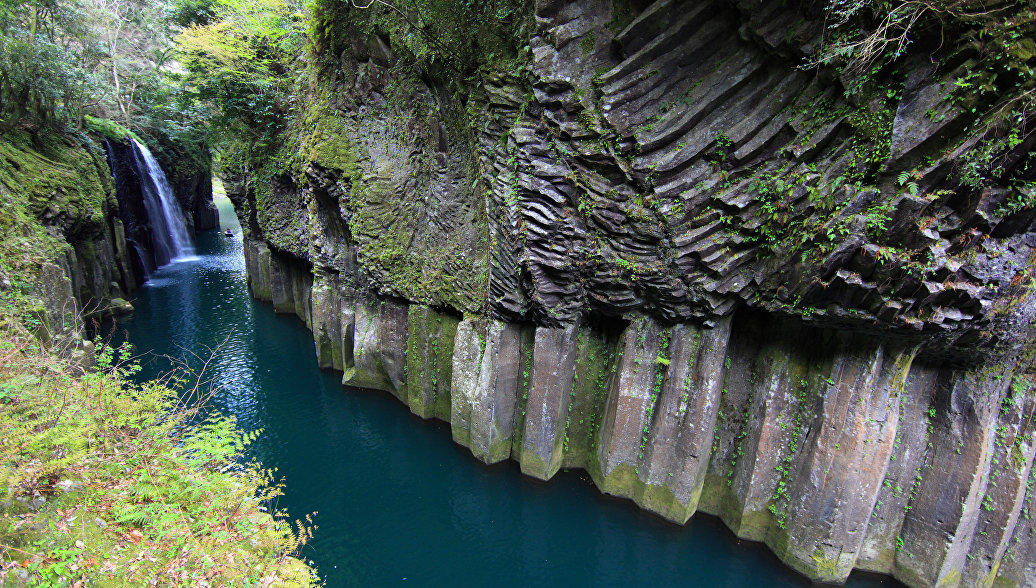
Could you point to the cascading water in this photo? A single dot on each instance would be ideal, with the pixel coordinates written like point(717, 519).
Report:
point(169, 232)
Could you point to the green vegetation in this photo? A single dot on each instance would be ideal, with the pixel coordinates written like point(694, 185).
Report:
point(69, 64)
point(450, 39)
point(57, 175)
point(106, 479)
point(868, 40)
point(239, 60)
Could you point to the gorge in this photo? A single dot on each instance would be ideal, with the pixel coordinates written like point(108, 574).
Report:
point(396, 500)
point(766, 261)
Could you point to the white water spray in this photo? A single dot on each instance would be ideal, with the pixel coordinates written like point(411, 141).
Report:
point(169, 232)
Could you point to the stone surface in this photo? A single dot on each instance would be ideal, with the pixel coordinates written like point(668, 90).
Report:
point(674, 274)
point(546, 410)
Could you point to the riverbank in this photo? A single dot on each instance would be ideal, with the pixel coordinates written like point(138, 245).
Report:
point(103, 478)
point(102, 481)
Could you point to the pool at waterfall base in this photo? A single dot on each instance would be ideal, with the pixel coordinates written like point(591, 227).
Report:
point(394, 500)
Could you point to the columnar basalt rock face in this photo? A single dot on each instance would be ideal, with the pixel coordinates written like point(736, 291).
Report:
point(491, 363)
point(631, 400)
point(677, 454)
point(711, 279)
point(429, 362)
point(846, 459)
point(879, 547)
point(952, 480)
point(840, 451)
point(550, 391)
point(1006, 488)
point(379, 347)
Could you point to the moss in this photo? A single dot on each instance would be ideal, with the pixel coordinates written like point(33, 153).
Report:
point(110, 129)
point(429, 362)
point(499, 449)
point(754, 524)
point(588, 43)
point(827, 568)
point(594, 356)
point(952, 578)
point(534, 465)
point(816, 564)
point(325, 137)
point(624, 482)
point(53, 187)
point(58, 177)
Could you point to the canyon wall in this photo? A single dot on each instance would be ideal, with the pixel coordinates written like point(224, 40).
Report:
point(839, 450)
point(647, 242)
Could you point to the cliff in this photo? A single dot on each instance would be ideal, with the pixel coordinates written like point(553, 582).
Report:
point(643, 240)
point(78, 207)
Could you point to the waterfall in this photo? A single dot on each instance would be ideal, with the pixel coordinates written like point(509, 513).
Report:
point(168, 230)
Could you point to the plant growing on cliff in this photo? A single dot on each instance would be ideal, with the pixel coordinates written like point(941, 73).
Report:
point(996, 84)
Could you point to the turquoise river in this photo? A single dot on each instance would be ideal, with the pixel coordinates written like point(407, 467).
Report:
point(396, 501)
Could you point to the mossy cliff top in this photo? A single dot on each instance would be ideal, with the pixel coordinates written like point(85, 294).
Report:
point(61, 180)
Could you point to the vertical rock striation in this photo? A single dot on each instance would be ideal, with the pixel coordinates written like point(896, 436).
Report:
point(646, 243)
point(839, 451)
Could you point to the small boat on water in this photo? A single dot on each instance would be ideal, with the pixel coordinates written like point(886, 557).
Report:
point(229, 233)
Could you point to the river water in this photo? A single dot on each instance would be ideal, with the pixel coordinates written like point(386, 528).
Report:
point(397, 501)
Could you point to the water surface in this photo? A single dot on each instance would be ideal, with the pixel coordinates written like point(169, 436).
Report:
point(397, 501)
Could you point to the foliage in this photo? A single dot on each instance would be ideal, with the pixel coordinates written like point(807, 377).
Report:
point(449, 38)
point(992, 47)
point(241, 63)
point(185, 13)
point(63, 59)
point(863, 33)
point(106, 479)
point(41, 57)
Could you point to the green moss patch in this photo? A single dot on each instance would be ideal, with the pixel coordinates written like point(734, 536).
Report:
point(429, 361)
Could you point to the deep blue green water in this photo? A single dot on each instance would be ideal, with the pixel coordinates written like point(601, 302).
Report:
point(396, 500)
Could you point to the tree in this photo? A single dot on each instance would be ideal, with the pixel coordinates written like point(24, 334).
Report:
point(42, 48)
point(137, 38)
point(240, 62)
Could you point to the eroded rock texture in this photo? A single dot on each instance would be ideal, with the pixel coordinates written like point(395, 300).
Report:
point(656, 248)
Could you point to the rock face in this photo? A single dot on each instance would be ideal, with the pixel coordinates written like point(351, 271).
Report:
point(838, 450)
point(653, 247)
point(65, 184)
point(87, 199)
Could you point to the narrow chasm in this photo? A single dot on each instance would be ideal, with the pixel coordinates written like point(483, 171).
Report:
point(523, 291)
